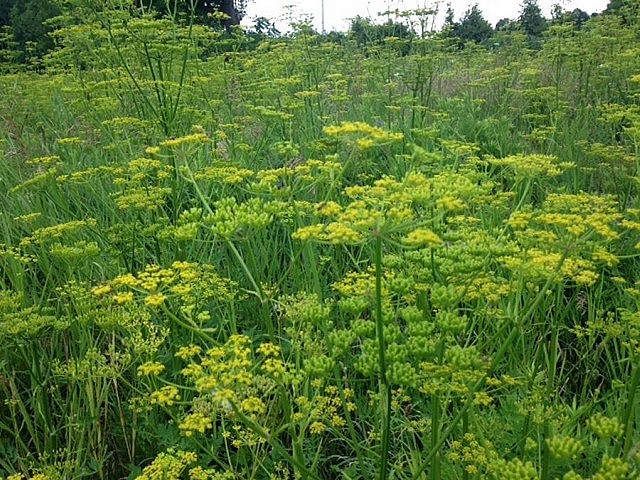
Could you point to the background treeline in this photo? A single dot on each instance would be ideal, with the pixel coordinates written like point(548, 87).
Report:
point(26, 26)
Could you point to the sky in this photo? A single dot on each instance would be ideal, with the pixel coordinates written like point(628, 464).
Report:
point(337, 12)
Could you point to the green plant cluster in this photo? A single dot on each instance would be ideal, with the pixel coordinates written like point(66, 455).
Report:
point(318, 259)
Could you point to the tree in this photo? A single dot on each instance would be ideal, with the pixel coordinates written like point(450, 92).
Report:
point(231, 10)
point(365, 32)
point(29, 27)
point(628, 10)
point(614, 6)
point(234, 10)
point(450, 26)
point(5, 11)
point(264, 27)
point(506, 25)
point(531, 19)
point(473, 26)
point(577, 17)
point(448, 19)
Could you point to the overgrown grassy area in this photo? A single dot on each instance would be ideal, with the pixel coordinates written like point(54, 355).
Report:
point(319, 260)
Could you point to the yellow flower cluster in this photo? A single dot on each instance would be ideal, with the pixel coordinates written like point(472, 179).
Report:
point(194, 138)
point(581, 226)
point(298, 174)
point(614, 469)
point(225, 174)
point(468, 452)
point(390, 205)
point(70, 141)
point(195, 422)
point(141, 183)
point(533, 166)
point(165, 396)
point(564, 448)
point(120, 123)
point(230, 218)
point(605, 427)
point(325, 409)
point(36, 476)
point(154, 299)
point(269, 112)
point(44, 161)
point(357, 284)
point(41, 235)
point(169, 465)
point(150, 369)
point(40, 180)
point(226, 377)
point(368, 135)
point(76, 251)
point(422, 237)
point(188, 351)
point(192, 285)
point(90, 174)
point(143, 198)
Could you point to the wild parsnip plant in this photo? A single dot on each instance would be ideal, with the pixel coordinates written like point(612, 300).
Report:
point(311, 259)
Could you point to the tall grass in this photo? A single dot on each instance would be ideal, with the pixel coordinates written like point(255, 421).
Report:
point(320, 260)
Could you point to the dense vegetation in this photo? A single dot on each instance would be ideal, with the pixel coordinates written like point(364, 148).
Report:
point(395, 253)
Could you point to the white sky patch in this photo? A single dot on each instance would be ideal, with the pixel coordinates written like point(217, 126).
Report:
point(338, 12)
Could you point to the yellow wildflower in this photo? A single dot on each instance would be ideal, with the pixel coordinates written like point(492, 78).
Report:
point(150, 369)
point(155, 300)
point(422, 237)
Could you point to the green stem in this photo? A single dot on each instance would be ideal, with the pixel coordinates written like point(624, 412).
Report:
point(258, 289)
point(191, 326)
point(277, 446)
point(385, 388)
point(353, 436)
point(546, 458)
point(435, 440)
point(130, 74)
point(465, 429)
point(551, 369)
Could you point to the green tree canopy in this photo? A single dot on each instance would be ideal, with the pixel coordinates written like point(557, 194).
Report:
point(233, 9)
point(27, 20)
point(577, 17)
point(365, 32)
point(531, 19)
point(30, 30)
point(506, 25)
point(628, 10)
point(614, 6)
point(473, 26)
point(5, 11)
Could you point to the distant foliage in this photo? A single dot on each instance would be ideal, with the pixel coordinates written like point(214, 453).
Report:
point(233, 10)
point(629, 11)
point(30, 21)
point(473, 27)
point(30, 28)
point(365, 32)
point(532, 21)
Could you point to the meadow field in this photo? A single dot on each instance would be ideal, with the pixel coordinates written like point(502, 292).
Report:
point(230, 257)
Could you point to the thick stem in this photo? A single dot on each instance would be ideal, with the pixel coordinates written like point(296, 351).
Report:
point(435, 437)
point(385, 388)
